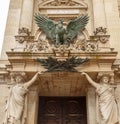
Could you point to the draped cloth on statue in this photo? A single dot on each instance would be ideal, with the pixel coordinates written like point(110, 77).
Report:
point(117, 96)
point(16, 109)
point(108, 106)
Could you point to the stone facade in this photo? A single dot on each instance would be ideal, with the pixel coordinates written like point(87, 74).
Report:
point(24, 42)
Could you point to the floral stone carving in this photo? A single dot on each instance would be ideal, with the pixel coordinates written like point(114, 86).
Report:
point(24, 35)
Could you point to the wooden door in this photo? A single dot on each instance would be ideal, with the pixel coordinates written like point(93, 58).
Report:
point(62, 110)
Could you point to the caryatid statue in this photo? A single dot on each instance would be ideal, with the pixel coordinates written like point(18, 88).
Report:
point(16, 107)
point(108, 99)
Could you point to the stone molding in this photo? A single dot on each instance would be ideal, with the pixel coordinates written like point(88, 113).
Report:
point(50, 3)
point(62, 9)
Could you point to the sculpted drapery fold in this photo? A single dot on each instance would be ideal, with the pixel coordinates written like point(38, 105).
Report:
point(107, 105)
point(15, 104)
point(16, 107)
point(108, 99)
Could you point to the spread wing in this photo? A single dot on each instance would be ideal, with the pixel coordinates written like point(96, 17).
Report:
point(76, 25)
point(46, 25)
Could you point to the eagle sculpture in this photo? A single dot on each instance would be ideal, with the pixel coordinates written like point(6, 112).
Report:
point(56, 31)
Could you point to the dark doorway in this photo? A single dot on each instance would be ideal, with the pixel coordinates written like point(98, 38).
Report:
point(62, 110)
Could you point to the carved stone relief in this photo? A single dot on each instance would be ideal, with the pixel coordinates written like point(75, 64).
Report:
point(62, 3)
point(101, 35)
point(65, 9)
point(84, 46)
point(23, 35)
point(82, 43)
point(42, 44)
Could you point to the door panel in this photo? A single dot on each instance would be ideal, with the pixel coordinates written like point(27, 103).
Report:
point(62, 110)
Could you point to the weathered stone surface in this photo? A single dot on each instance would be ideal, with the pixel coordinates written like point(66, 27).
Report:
point(101, 54)
point(4, 91)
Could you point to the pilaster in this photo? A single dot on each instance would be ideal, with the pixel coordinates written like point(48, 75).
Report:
point(11, 26)
point(113, 22)
point(27, 14)
point(99, 13)
point(33, 100)
point(91, 103)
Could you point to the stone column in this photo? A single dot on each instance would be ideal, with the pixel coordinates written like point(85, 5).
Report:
point(91, 106)
point(113, 22)
point(99, 13)
point(33, 100)
point(27, 14)
point(12, 26)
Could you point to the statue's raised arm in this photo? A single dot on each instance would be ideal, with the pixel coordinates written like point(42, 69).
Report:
point(32, 81)
point(108, 99)
point(16, 107)
point(93, 83)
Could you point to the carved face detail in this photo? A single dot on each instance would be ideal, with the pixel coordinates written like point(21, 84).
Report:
point(105, 79)
point(19, 79)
